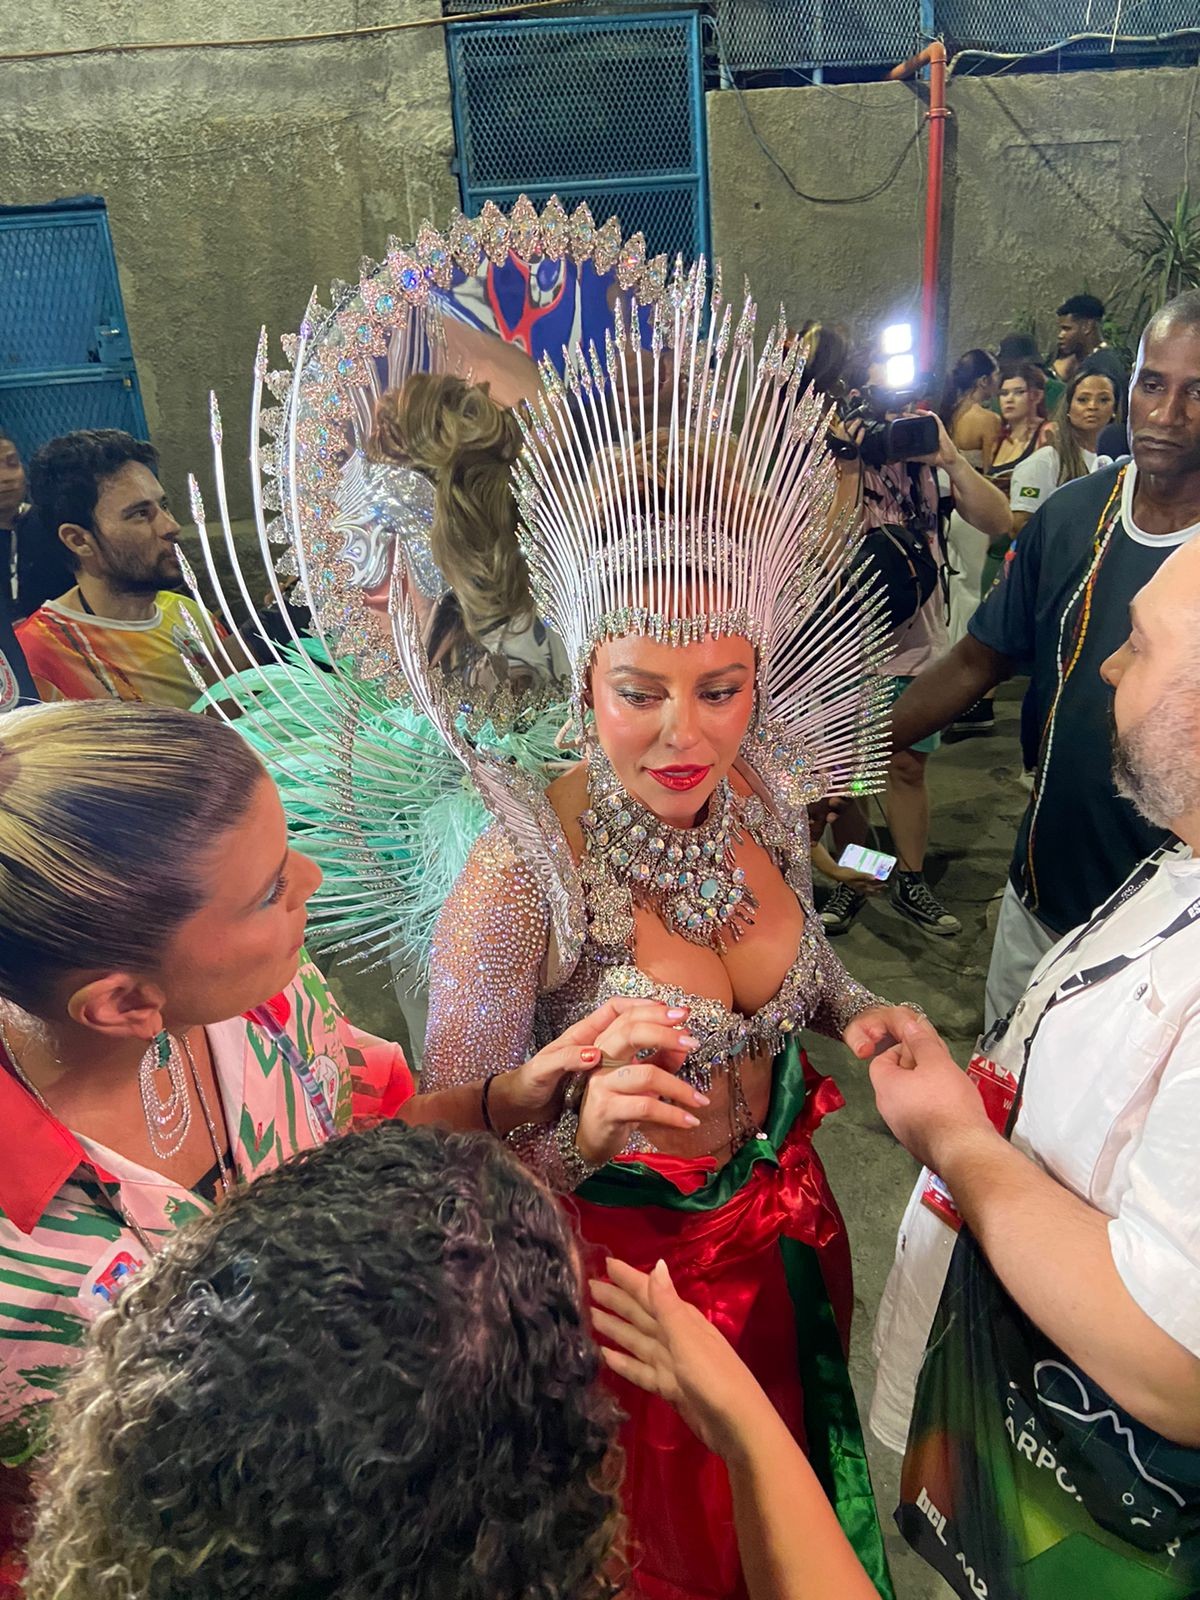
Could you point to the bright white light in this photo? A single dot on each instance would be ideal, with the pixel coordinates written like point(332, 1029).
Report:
point(897, 340)
point(901, 372)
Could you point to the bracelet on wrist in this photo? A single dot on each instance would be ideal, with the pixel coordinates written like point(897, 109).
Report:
point(577, 1168)
point(484, 1109)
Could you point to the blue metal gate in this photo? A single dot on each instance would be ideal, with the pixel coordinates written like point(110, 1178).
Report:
point(607, 110)
point(65, 357)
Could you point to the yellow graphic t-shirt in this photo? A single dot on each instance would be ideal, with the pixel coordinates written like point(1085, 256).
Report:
point(73, 656)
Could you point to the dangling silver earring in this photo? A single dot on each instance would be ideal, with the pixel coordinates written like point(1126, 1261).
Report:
point(167, 1121)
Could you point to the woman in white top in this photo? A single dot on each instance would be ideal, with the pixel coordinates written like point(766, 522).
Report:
point(976, 432)
point(1087, 407)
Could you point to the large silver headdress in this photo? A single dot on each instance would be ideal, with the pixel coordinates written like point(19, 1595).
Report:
point(623, 376)
point(676, 483)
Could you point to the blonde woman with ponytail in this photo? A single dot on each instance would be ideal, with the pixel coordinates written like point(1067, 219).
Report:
point(455, 434)
point(163, 1037)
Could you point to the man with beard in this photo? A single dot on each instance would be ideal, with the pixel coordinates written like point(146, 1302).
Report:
point(122, 631)
point(1090, 1215)
point(1059, 610)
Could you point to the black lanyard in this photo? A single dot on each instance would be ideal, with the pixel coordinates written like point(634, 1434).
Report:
point(1078, 982)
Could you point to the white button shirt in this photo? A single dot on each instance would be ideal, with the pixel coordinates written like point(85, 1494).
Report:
point(1111, 1109)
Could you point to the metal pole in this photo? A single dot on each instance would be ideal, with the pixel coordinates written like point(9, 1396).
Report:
point(933, 56)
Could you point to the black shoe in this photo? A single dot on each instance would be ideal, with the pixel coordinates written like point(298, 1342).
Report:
point(913, 896)
point(979, 718)
point(840, 910)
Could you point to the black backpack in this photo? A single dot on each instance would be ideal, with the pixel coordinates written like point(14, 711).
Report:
point(899, 559)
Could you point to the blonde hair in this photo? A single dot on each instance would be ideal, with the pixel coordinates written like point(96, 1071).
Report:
point(108, 810)
point(457, 435)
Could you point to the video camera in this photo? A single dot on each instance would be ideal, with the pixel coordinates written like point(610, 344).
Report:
point(886, 439)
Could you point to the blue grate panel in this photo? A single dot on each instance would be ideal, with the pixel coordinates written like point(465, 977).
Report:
point(1025, 25)
point(607, 110)
point(57, 293)
point(65, 356)
point(35, 413)
point(762, 37)
point(531, 115)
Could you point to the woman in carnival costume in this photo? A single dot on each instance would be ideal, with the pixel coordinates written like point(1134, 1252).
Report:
point(675, 499)
point(720, 683)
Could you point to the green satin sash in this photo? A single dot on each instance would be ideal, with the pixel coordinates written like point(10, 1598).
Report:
point(835, 1439)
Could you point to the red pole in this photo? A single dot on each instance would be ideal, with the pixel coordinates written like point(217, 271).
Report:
point(933, 56)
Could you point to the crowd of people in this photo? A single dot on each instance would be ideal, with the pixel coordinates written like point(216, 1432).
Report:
point(567, 1313)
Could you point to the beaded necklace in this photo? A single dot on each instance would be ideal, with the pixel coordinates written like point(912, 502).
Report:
point(1068, 657)
point(687, 876)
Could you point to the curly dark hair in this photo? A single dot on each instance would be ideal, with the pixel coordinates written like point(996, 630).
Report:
point(65, 475)
point(367, 1376)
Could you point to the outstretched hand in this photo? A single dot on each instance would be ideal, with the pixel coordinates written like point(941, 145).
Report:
point(667, 1347)
point(947, 454)
point(878, 1028)
point(926, 1098)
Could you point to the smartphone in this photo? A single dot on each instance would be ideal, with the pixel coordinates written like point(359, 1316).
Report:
point(873, 862)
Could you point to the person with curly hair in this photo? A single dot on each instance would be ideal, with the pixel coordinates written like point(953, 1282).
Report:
point(163, 1037)
point(457, 436)
point(371, 1375)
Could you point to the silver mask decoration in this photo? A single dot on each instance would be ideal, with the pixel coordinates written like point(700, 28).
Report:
point(378, 504)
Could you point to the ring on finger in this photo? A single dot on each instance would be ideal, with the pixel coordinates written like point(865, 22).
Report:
point(644, 1055)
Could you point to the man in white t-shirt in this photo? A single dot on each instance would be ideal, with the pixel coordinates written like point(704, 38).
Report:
point(1090, 1217)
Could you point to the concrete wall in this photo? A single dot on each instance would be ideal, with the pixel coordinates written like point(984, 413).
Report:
point(235, 179)
point(238, 178)
point(1044, 183)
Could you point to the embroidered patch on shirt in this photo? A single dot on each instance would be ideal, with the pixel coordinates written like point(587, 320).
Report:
point(109, 1281)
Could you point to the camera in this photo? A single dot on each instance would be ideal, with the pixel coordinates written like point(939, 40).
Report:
point(884, 440)
point(898, 438)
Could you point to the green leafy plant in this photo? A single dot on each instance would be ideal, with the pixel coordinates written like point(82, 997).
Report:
point(1166, 261)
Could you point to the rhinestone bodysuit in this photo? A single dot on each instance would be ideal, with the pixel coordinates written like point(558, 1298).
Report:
point(490, 1007)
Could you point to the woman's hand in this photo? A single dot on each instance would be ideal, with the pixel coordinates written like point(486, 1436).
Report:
point(618, 1100)
point(860, 882)
point(612, 1036)
point(877, 1029)
point(926, 1099)
point(669, 1348)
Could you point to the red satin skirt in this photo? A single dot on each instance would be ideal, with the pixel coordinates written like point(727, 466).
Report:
point(725, 1258)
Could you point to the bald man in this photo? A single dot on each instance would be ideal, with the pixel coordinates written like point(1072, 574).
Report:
point(1090, 1215)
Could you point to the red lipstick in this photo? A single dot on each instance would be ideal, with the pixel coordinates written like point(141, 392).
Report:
point(679, 778)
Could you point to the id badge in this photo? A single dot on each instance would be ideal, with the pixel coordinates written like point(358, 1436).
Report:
point(997, 1089)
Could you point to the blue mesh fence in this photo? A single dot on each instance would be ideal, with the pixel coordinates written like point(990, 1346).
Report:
point(607, 110)
point(782, 35)
point(65, 357)
point(54, 290)
point(30, 414)
point(765, 36)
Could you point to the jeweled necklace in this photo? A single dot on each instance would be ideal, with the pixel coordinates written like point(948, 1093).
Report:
point(687, 876)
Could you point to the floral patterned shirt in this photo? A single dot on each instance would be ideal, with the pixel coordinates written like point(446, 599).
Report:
point(292, 1074)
